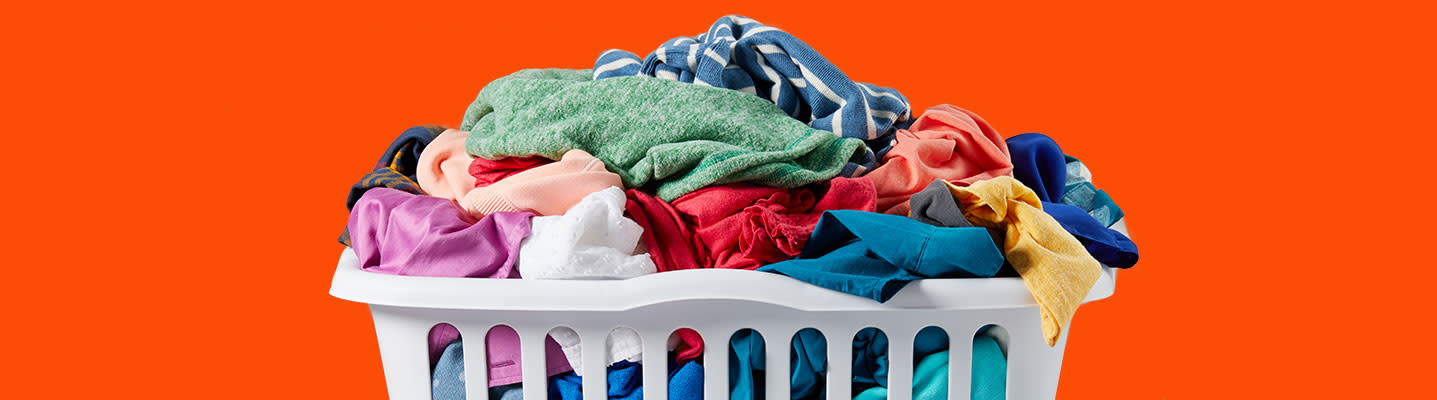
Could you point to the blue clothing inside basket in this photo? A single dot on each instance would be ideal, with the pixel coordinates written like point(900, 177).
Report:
point(930, 375)
point(1108, 246)
point(1039, 163)
point(625, 381)
point(874, 255)
point(808, 363)
point(1080, 192)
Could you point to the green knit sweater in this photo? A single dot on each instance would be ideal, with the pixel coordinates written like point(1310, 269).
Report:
point(680, 135)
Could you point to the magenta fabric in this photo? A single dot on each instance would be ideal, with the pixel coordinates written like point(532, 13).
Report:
point(670, 242)
point(744, 226)
point(399, 233)
point(486, 172)
point(502, 347)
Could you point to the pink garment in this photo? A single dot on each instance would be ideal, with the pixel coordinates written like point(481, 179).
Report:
point(550, 189)
point(946, 142)
point(486, 172)
point(443, 167)
point(670, 242)
point(502, 346)
point(744, 226)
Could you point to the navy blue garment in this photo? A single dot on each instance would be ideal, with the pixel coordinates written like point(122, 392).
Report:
point(742, 54)
point(874, 255)
point(1038, 162)
point(1108, 246)
point(396, 167)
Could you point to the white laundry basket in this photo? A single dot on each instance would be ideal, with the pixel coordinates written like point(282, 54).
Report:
point(715, 303)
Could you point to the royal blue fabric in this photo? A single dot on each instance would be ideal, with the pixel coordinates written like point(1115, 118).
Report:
point(874, 255)
point(625, 381)
point(1108, 246)
point(687, 381)
point(1038, 162)
point(742, 54)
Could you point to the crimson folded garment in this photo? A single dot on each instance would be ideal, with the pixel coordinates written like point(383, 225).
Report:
point(486, 172)
point(399, 233)
point(670, 242)
point(947, 143)
point(743, 226)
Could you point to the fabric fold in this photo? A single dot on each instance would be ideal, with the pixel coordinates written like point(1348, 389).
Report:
point(946, 142)
point(680, 137)
point(1055, 267)
point(742, 226)
point(550, 189)
point(399, 233)
point(593, 240)
point(443, 167)
point(874, 255)
point(741, 54)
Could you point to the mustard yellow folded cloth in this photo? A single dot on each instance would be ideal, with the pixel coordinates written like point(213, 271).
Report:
point(1055, 267)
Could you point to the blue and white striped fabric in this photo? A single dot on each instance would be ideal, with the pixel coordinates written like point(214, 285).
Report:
point(742, 54)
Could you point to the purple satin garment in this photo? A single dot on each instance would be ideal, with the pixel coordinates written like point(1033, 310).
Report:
point(399, 233)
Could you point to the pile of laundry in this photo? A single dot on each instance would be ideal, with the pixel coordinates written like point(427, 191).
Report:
point(740, 148)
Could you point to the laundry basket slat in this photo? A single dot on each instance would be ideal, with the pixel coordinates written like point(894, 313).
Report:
point(715, 303)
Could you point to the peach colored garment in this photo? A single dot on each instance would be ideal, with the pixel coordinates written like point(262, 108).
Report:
point(550, 189)
point(947, 143)
point(444, 166)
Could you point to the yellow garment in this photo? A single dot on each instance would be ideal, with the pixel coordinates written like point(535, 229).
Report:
point(1055, 267)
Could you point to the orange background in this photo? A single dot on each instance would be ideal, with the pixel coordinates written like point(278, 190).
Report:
point(177, 175)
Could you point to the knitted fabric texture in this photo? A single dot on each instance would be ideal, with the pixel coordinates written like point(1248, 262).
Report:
point(742, 54)
point(680, 136)
point(1054, 265)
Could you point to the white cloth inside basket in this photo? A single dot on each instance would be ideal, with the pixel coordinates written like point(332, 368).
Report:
point(623, 344)
point(592, 240)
